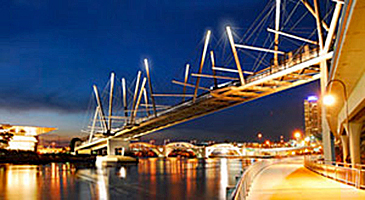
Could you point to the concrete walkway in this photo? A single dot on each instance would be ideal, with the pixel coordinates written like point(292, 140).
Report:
point(293, 181)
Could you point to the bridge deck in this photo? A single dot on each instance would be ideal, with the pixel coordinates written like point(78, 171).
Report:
point(293, 181)
point(294, 71)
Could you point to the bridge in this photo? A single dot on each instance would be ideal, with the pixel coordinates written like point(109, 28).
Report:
point(214, 150)
point(286, 70)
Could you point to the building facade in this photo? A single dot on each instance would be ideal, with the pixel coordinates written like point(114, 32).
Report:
point(23, 137)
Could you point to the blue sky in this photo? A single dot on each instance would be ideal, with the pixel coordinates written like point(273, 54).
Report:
point(53, 51)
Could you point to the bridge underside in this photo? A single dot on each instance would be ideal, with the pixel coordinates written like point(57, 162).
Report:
point(347, 115)
point(214, 101)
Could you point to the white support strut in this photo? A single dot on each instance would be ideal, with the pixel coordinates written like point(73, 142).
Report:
point(334, 21)
point(101, 112)
point(139, 99)
point(277, 26)
point(258, 49)
point(230, 70)
point(93, 125)
point(135, 94)
point(111, 101)
point(207, 38)
point(235, 55)
point(291, 36)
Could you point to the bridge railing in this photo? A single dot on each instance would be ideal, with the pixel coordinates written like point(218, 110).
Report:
point(344, 172)
point(243, 185)
point(286, 61)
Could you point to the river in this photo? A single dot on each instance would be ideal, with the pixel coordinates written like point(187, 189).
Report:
point(151, 178)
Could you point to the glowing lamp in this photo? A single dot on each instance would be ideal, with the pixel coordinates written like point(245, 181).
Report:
point(297, 134)
point(328, 100)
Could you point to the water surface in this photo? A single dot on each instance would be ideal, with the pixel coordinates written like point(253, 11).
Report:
point(152, 178)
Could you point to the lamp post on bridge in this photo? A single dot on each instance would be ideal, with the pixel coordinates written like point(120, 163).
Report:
point(329, 100)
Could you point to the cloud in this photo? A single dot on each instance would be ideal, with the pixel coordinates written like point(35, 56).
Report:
point(17, 99)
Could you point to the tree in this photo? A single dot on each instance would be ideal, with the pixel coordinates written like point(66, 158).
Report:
point(5, 137)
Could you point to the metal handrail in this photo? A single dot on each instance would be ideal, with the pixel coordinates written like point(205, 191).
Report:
point(288, 62)
point(318, 160)
point(244, 183)
point(344, 172)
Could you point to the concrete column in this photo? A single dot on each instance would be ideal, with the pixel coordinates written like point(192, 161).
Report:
point(115, 143)
point(165, 152)
point(326, 138)
point(345, 146)
point(355, 132)
point(161, 152)
point(206, 152)
point(326, 133)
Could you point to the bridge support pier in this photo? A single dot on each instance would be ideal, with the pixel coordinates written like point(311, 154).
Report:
point(355, 132)
point(117, 146)
point(327, 141)
point(345, 146)
point(115, 153)
point(161, 152)
point(207, 152)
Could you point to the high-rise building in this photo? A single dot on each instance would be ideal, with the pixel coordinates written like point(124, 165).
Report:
point(312, 116)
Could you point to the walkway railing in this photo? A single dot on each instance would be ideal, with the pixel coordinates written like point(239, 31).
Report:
point(243, 186)
point(343, 172)
point(286, 61)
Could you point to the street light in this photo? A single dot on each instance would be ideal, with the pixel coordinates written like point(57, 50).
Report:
point(329, 100)
point(259, 135)
point(297, 135)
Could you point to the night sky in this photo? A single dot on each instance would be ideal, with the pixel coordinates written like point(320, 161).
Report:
point(52, 52)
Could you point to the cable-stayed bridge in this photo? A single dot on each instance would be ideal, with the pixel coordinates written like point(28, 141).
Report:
point(285, 70)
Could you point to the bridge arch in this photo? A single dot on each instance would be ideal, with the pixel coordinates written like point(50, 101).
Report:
point(223, 149)
point(143, 146)
point(182, 146)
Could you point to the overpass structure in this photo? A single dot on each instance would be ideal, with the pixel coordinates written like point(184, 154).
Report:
point(346, 117)
point(287, 70)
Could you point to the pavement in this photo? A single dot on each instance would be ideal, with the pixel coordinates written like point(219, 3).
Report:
point(293, 181)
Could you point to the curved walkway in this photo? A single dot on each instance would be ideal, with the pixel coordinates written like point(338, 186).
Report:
point(293, 181)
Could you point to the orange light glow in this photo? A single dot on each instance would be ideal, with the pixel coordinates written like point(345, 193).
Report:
point(297, 135)
point(328, 100)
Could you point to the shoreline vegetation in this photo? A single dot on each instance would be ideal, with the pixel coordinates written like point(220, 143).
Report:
point(30, 157)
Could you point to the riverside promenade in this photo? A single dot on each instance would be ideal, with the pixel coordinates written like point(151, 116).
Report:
point(292, 180)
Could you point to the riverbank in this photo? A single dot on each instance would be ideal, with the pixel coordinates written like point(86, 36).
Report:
point(30, 157)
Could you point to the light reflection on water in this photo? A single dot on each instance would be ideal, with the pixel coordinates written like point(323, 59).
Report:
point(53, 181)
point(152, 178)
